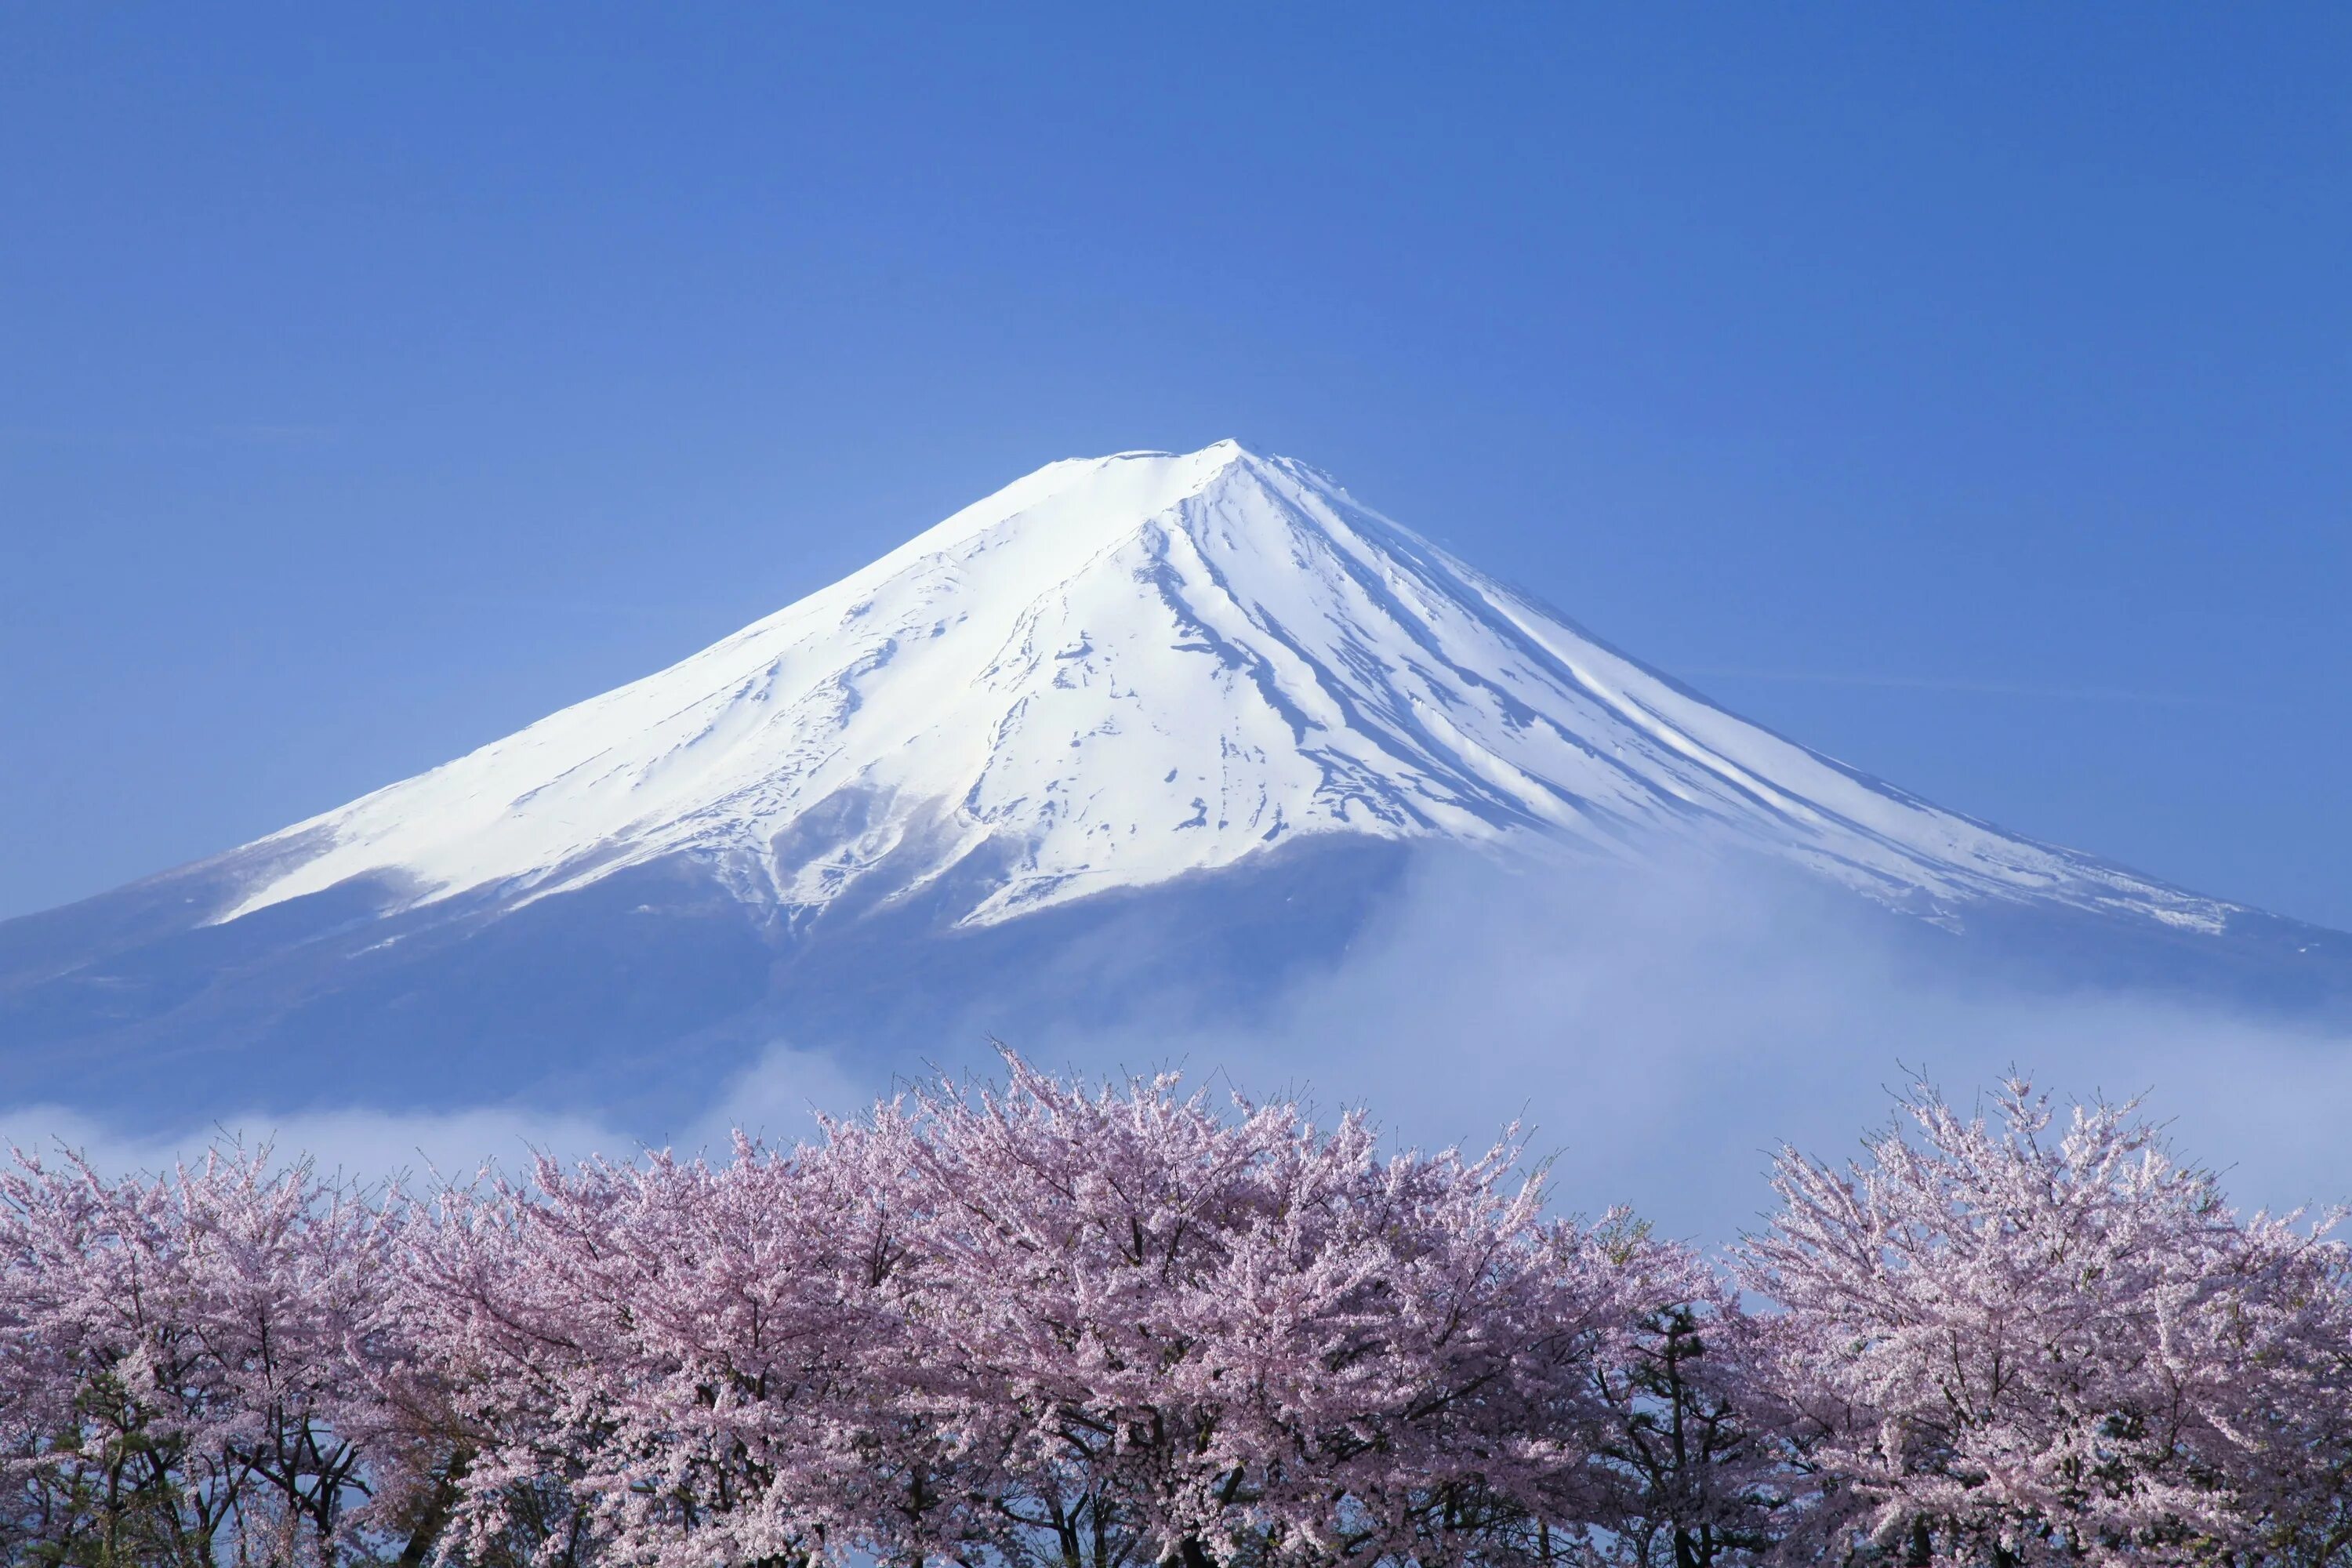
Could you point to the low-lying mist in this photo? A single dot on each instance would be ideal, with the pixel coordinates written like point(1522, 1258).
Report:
point(1658, 1033)
point(1662, 1033)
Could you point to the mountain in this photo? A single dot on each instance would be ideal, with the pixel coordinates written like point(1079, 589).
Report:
point(1133, 724)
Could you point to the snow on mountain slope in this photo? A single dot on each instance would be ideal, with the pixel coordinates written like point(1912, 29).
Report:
point(1118, 670)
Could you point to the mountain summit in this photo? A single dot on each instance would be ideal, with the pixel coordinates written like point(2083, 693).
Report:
point(1118, 670)
point(1130, 722)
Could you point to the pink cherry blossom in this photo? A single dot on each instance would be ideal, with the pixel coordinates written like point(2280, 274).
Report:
point(1040, 1322)
point(182, 1359)
point(1177, 1335)
point(2005, 1343)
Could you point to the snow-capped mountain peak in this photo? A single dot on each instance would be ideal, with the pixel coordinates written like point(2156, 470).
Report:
point(1116, 671)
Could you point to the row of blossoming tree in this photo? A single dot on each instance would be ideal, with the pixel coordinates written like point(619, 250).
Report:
point(1040, 1324)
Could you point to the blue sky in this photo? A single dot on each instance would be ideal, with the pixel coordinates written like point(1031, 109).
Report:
point(1962, 391)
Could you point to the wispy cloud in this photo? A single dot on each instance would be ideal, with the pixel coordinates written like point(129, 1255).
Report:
point(1938, 684)
point(264, 433)
point(254, 433)
point(558, 604)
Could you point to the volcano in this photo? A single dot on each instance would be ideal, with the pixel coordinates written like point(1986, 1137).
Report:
point(1132, 726)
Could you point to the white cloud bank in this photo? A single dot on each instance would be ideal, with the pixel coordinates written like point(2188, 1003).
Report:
point(775, 1099)
point(1660, 1033)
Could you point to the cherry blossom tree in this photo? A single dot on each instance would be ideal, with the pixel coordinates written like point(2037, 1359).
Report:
point(2284, 1331)
point(1032, 1323)
point(670, 1362)
point(1178, 1336)
point(2011, 1343)
point(184, 1361)
point(1043, 1324)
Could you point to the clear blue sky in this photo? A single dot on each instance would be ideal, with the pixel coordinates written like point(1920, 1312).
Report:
point(1965, 391)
